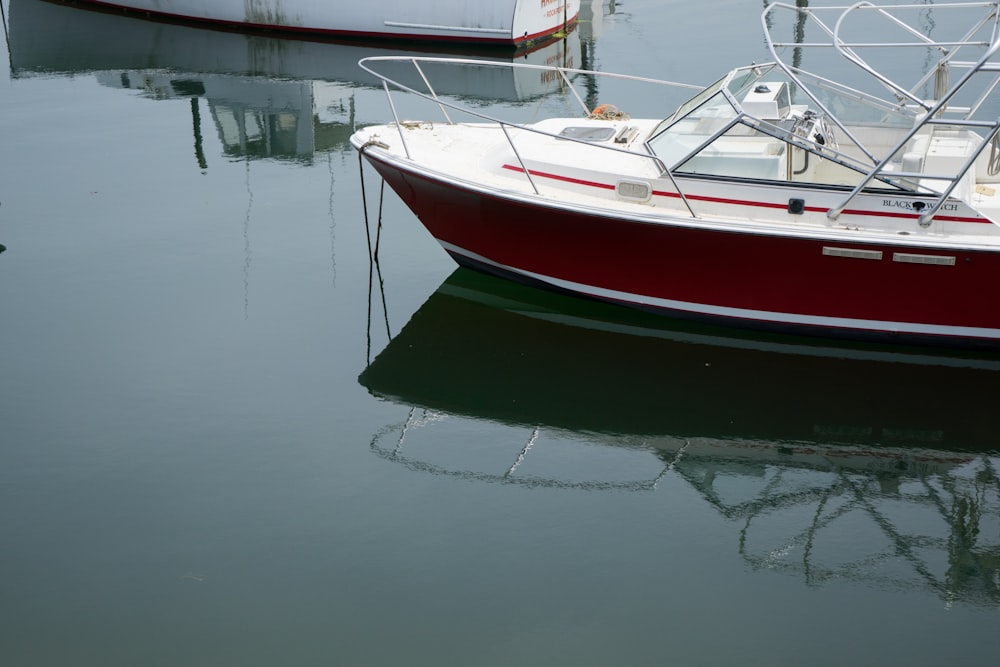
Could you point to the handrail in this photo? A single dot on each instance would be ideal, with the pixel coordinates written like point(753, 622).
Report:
point(520, 160)
point(399, 126)
point(432, 96)
point(431, 89)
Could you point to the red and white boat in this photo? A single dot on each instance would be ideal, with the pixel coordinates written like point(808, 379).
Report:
point(500, 23)
point(774, 198)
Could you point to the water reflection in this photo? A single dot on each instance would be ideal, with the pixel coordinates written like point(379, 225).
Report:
point(267, 97)
point(831, 462)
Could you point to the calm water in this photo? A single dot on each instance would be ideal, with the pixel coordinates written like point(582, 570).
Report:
point(226, 440)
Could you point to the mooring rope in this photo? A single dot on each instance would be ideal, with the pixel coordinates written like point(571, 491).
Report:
point(373, 264)
point(364, 200)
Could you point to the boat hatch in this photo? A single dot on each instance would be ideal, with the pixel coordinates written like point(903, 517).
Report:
point(588, 133)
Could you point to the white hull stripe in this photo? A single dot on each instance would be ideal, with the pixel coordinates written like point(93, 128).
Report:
point(740, 313)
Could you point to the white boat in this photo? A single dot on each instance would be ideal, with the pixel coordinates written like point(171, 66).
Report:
point(865, 205)
point(504, 23)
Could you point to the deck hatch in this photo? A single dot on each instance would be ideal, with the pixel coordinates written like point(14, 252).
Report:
point(602, 133)
point(855, 253)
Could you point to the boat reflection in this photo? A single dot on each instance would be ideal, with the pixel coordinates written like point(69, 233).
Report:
point(268, 97)
point(831, 462)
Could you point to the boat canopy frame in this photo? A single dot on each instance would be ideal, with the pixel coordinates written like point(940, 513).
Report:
point(983, 33)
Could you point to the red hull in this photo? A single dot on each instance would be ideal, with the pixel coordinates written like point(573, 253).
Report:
point(741, 278)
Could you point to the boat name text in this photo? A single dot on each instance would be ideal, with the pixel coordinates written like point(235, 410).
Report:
point(559, 8)
point(909, 206)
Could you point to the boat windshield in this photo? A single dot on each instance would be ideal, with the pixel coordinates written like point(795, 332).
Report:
point(758, 123)
point(693, 128)
point(733, 82)
point(693, 103)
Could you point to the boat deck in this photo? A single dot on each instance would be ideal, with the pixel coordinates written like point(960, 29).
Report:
point(466, 153)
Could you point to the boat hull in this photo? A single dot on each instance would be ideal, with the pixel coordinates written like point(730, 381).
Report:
point(499, 23)
point(688, 268)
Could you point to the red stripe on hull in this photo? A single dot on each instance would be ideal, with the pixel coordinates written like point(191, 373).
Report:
point(720, 269)
point(745, 202)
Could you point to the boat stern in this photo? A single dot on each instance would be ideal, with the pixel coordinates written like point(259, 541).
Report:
point(541, 20)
